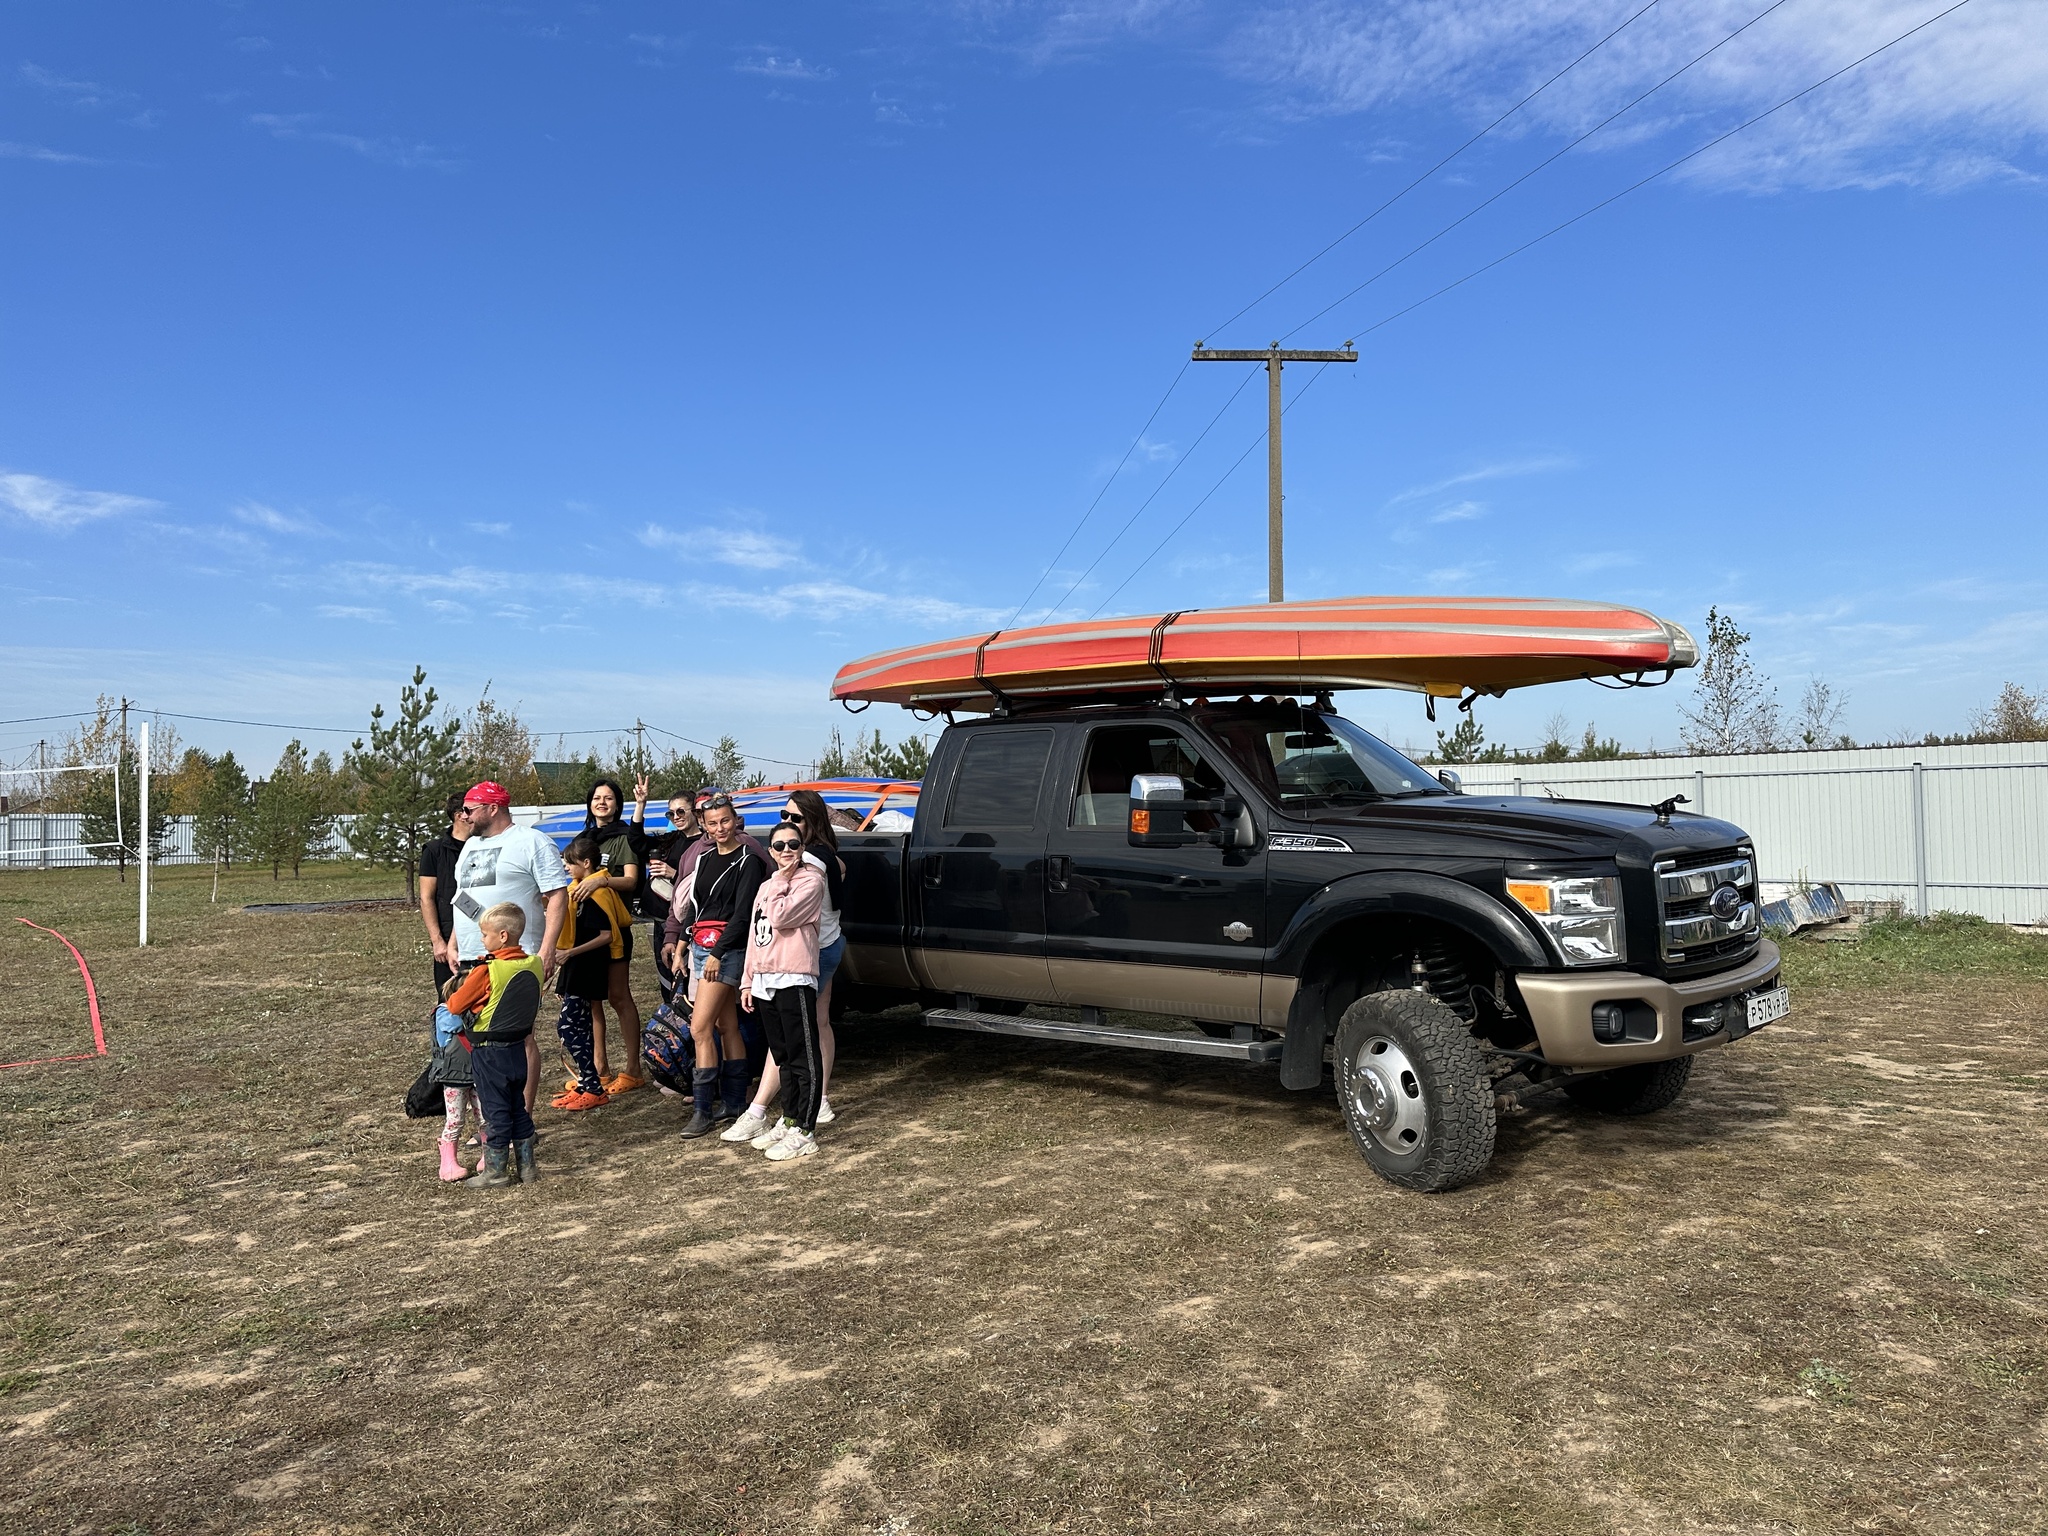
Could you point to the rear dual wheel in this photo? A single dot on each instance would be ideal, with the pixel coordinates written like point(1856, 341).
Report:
point(1415, 1090)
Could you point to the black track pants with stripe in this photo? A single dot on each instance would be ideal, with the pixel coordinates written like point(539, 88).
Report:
point(790, 1016)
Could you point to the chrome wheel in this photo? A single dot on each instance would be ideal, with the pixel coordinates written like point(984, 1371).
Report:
point(1386, 1096)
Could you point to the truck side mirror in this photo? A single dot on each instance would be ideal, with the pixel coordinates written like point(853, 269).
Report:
point(1450, 780)
point(1158, 816)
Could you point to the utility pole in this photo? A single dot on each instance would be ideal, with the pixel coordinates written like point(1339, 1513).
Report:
point(1273, 357)
point(639, 748)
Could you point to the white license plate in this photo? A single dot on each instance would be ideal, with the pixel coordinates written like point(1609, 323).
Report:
point(1768, 1007)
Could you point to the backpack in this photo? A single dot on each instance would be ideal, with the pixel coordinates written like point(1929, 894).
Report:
point(666, 1047)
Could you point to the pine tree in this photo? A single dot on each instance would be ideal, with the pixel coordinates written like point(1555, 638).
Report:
point(1461, 745)
point(407, 771)
point(293, 815)
point(222, 824)
point(729, 765)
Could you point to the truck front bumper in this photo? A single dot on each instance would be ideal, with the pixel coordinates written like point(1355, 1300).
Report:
point(1560, 1006)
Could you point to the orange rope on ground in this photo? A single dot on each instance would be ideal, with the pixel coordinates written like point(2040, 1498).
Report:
point(92, 1002)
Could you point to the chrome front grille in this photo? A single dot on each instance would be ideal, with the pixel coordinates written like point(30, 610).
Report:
point(1693, 925)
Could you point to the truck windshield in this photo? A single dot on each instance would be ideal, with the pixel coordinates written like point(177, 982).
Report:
point(1300, 756)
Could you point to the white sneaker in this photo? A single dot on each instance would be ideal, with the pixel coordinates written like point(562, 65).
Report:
point(748, 1126)
point(772, 1135)
point(825, 1115)
point(793, 1144)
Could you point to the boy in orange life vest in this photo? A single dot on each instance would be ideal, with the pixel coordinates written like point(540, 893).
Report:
point(503, 994)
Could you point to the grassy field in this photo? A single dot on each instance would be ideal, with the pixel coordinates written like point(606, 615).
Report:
point(1023, 1288)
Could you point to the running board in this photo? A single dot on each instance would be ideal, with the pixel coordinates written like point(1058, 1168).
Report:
point(1102, 1034)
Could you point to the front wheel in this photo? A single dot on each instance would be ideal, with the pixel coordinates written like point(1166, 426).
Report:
point(1639, 1090)
point(1415, 1090)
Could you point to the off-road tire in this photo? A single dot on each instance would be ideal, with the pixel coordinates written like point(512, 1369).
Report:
point(1639, 1090)
point(1415, 1092)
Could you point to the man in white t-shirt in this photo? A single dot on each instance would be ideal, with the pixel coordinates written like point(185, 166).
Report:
point(503, 862)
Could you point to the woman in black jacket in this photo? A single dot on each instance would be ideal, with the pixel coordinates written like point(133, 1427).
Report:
point(720, 900)
point(622, 855)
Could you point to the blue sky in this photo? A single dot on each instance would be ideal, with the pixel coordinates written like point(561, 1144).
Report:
point(653, 360)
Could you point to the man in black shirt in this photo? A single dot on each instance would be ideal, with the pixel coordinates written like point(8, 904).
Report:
point(437, 890)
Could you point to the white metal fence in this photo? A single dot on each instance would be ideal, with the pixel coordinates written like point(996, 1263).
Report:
point(33, 840)
point(1961, 829)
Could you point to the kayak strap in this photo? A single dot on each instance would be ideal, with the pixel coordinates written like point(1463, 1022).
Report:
point(1156, 646)
point(1003, 704)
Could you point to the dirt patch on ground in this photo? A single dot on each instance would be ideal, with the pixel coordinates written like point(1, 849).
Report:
point(1024, 1288)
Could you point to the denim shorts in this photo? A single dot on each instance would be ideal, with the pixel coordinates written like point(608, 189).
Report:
point(828, 961)
point(698, 955)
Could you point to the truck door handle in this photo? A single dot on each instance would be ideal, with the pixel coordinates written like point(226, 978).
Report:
point(1056, 870)
point(934, 866)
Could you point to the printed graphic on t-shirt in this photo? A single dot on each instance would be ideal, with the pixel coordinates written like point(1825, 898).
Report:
point(764, 931)
point(479, 866)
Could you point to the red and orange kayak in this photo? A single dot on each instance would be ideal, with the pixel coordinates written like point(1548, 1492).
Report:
point(1442, 646)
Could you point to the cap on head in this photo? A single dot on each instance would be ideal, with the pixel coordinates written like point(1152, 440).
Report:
point(488, 793)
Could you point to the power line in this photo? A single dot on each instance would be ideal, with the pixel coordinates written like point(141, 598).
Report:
point(1112, 544)
point(77, 714)
point(1053, 563)
point(1664, 171)
point(752, 757)
point(1418, 181)
point(1250, 448)
point(1540, 165)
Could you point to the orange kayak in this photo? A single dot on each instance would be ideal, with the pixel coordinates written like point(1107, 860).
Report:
point(1442, 646)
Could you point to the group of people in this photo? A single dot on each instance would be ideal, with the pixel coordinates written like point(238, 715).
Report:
point(747, 938)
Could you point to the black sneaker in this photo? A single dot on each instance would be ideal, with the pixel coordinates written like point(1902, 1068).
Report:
point(700, 1124)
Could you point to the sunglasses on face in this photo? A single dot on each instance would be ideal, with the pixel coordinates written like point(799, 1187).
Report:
point(787, 847)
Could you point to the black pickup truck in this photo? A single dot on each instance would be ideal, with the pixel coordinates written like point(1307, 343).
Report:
point(1261, 880)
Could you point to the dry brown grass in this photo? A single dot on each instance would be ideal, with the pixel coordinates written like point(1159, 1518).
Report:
point(1023, 1289)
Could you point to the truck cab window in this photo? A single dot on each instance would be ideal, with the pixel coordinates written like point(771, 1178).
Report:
point(1117, 754)
point(1303, 757)
point(998, 779)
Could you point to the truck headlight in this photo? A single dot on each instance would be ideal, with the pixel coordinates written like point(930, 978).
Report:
point(1581, 912)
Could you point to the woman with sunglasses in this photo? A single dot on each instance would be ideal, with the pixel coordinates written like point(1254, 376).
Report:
point(779, 983)
point(806, 812)
point(712, 912)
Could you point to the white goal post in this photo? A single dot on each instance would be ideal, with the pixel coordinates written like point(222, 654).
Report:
point(141, 847)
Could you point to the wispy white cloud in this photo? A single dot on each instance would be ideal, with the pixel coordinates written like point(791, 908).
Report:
point(1950, 105)
point(748, 548)
point(83, 94)
point(360, 615)
point(498, 528)
point(1505, 469)
point(1459, 512)
point(405, 154)
point(776, 67)
point(257, 515)
point(11, 150)
point(829, 601)
point(53, 504)
point(372, 576)
point(1046, 31)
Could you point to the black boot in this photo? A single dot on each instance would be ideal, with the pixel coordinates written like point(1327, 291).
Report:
point(492, 1172)
point(704, 1087)
point(733, 1078)
point(523, 1152)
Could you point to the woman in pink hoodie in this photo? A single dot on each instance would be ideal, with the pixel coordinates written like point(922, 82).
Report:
point(781, 977)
